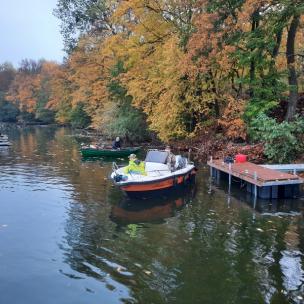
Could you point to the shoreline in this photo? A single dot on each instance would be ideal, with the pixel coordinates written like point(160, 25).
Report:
point(201, 148)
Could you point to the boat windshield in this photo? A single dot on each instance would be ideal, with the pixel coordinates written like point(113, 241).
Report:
point(156, 157)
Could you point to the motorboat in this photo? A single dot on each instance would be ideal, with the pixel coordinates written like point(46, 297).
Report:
point(159, 179)
point(4, 141)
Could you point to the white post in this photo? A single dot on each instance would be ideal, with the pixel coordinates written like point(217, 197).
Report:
point(254, 207)
point(229, 175)
point(189, 155)
point(211, 176)
point(211, 168)
point(255, 196)
point(255, 186)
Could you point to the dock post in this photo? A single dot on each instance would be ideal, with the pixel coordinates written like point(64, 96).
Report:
point(254, 208)
point(211, 178)
point(211, 167)
point(218, 176)
point(255, 186)
point(229, 188)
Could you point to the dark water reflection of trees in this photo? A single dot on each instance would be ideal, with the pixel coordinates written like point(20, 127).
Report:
point(189, 248)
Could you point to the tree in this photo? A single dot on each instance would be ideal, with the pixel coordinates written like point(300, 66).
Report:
point(30, 90)
point(60, 99)
point(23, 89)
point(78, 117)
point(7, 74)
point(119, 117)
point(8, 112)
point(81, 17)
point(151, 48)
point(291, 62)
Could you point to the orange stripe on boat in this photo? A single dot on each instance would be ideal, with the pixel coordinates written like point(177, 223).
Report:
point(147, 187)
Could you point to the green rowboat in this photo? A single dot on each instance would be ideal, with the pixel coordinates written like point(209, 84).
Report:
point(94, 152)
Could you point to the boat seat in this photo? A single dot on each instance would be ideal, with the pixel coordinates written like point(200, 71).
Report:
point(156, 169)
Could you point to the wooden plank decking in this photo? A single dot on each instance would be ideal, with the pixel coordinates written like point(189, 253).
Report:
point(255, 174)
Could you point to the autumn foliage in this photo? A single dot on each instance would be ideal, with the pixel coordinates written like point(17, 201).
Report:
point(184, 66)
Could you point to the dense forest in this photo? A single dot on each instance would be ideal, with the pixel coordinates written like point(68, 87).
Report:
point(176, 69)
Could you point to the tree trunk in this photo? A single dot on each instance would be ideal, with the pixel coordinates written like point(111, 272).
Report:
point(254, 26)
point(292, 77)
point(273, 73)
point(216, 101)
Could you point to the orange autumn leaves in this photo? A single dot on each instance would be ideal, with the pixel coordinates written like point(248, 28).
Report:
point(25, 88)
point(180, 66)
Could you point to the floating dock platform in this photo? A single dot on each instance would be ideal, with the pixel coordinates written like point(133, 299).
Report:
point(262, 182)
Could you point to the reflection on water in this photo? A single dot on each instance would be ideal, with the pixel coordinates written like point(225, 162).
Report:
point(266, 207)
point(130, 211)
point(68, 236)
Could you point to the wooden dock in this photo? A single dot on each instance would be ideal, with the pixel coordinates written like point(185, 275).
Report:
point(262, 182)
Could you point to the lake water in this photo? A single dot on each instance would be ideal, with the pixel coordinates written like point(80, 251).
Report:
point(68, 236)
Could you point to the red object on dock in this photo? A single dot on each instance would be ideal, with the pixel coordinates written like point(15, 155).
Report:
point(240, 158)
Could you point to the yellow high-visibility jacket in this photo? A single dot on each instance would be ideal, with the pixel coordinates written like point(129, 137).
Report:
point(134, 168)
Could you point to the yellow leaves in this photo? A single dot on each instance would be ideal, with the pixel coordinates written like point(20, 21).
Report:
point(153, 81)
point(49, 69)
point(26, 87)
point(60, 88)
point(155, 69)
point(143, 20)
point(22, 91)
point(89, 74)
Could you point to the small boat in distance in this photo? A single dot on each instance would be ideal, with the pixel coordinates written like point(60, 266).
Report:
point(158, 179)
point(94, 151)
point(4, 141)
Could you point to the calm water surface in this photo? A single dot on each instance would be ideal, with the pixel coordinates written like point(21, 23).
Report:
point(68, 236)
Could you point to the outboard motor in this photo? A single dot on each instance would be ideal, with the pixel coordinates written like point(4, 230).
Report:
point(120, 178)
point(180, 162)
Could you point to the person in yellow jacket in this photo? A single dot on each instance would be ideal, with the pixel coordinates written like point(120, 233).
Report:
point(135, 166)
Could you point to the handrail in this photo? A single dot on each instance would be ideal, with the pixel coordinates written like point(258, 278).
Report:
point(114, 167)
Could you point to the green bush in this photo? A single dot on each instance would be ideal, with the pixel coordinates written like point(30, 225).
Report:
point(283, 141)
point(119, 117)
point(266, 94)
point(8, 111)
point(124, 121)
point(26, 117)
point(45, 116)
point(79, 117)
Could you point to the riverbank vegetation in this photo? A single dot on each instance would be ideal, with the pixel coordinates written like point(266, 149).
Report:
point(206, 73)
